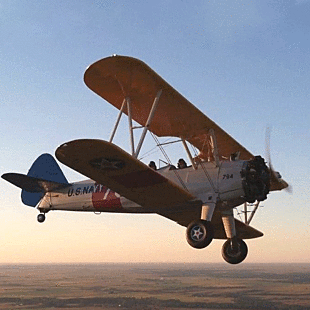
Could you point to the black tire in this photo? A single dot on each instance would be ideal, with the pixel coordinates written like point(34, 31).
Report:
point(234, 256)
point(199, 234)
point(41, 218)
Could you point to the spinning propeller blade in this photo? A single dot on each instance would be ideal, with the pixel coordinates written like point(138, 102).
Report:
point(276, 181)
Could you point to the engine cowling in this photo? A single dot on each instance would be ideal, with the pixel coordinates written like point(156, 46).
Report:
point(255, 179)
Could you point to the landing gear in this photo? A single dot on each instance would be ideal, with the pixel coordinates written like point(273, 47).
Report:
point(41, 217)
point(199, 234)
point(234, 250)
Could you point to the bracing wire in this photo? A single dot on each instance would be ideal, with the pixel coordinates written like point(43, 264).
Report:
point(239, 213)
point(152, 151)
point(169, 161)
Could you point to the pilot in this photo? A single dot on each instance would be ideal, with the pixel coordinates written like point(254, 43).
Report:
point(152, 165)
point(182, 164)
point(234, 156)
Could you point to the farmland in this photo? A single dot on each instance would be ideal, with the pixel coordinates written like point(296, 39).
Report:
point(155, 286)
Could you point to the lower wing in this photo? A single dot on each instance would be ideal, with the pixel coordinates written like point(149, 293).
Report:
point(109, 165)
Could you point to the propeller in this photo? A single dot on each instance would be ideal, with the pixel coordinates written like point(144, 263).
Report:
point(276, 181)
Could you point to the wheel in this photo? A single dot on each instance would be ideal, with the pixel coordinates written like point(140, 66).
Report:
point(41, 218)
point(234, 251)
point(199, 234)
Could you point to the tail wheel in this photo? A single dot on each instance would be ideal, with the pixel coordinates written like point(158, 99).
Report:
point(199, 234)
point(41, 218)
point(234, 251)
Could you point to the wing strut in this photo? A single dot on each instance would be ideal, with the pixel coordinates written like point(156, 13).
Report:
point(248, 208)
point(118, 120)
point(132, 142)
point(214, 148)
point(148, 122)
point(253, 212)
point(189, 154)
point(127, 103)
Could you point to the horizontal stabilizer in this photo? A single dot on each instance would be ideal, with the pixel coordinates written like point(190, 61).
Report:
point(33, 185)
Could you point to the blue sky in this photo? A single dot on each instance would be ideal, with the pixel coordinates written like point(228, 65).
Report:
point(245, 64)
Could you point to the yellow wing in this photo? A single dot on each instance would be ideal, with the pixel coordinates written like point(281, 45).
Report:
point(108, 164)
point(117, 77)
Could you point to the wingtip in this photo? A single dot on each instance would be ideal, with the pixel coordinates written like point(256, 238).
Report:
point(8, 176)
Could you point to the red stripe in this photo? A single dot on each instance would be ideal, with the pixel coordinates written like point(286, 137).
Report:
point(109, 203)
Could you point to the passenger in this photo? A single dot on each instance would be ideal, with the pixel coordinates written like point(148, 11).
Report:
point(152, 165)
point(182, 164)
point(234, 156)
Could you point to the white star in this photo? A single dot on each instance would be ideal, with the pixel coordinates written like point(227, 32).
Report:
point(196, 233)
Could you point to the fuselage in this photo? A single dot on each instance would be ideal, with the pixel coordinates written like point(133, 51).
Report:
point(225, 180)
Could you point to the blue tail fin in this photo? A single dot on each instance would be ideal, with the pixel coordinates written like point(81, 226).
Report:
point(45, 167)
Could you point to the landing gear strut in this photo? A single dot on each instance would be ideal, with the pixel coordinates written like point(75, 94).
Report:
point(234, 250)
point(41, 217)
point(199, 234)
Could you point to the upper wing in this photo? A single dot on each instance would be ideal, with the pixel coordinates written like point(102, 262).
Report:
point(117, 77)
point(108, 164)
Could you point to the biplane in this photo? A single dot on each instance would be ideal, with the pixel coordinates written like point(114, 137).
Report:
point(202, 196)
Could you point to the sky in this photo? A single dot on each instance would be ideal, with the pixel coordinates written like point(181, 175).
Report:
point(245, 64)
